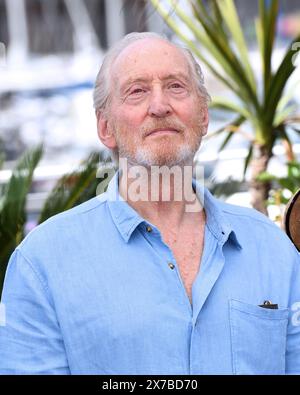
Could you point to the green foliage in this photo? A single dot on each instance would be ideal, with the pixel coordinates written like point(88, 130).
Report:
point(12, 205)
point(283, 187)
point(76, 187)
point(226, 188)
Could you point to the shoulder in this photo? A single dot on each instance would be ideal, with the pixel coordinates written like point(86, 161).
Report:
point(252, 226)
point(240, 213)
point(55, 247)
point(63, 225)
point(236, 213)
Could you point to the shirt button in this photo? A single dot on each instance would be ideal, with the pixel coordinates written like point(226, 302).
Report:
point(171, 266)
point(267, 302)
point(148, 228)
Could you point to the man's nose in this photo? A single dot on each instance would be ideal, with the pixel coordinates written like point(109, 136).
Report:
point(159, 105)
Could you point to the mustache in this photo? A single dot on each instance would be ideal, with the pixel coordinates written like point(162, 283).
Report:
point(162, 124)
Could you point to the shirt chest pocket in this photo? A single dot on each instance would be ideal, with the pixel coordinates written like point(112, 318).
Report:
point(258, 338)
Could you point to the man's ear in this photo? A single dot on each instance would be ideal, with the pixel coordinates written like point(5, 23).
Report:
point(205, 120)
point(105, 131)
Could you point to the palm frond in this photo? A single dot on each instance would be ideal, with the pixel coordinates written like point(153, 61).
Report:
point(248, 159)
point(278, 82)
point(228, 127)
point(229, 13)
point(266, 33)
point(12, 206)
point(74, 188)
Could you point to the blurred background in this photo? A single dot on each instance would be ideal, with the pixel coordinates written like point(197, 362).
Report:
point(50, 52)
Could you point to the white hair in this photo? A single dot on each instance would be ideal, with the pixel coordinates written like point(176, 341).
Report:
point(102, 85)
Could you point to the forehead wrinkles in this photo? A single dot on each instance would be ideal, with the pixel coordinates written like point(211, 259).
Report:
point(133, 59)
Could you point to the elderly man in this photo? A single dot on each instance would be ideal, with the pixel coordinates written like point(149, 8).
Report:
point(133, 283)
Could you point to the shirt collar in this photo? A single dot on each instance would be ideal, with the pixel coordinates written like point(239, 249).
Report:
point(216, 220)
point(124, 216)
point(127, 219)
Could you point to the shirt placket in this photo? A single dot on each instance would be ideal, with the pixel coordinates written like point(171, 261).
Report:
point(168, 260)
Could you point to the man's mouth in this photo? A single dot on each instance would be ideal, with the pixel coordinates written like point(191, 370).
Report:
point(162, 132)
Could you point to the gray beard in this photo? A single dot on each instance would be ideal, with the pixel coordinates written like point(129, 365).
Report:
point(143, 157)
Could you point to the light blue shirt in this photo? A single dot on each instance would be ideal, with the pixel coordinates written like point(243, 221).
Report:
point(91, 291)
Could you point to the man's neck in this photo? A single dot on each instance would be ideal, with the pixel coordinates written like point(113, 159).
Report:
point(164, 199)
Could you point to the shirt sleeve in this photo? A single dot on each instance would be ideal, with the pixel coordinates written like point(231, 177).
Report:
point(293, 336)
point(30, 337)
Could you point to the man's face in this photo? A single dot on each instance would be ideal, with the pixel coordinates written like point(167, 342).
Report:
point(155, 113)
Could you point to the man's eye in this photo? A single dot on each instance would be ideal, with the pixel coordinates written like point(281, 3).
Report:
point(176, 86)
point(137, 91)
